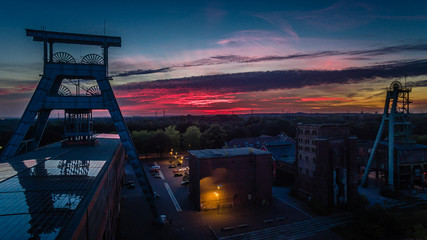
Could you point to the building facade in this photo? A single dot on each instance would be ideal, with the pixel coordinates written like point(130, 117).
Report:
point(326, 163)
point(230, 177)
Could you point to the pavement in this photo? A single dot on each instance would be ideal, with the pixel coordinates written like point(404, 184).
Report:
point(275, 220)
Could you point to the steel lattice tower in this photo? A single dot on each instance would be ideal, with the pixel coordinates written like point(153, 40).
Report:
point(395, 109)
point(51, 94)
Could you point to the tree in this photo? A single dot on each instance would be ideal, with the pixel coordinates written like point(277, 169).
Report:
point(161, 142)
point(191, 138)
point(214, 137)
point(143, 141)
point(174, 136)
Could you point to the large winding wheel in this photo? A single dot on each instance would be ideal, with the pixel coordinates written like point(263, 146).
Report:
point(93, 59)
point(64, 91)
point(63, 57)
point(93, 91)
point(396, 85)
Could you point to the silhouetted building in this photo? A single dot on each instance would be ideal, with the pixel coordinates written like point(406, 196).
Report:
point(228, 177)
point(256, 142)
point(326, 163)
point(283, 151)
point(63, 193)
point(411, 159)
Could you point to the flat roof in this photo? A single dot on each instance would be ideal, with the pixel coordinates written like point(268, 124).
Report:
point(74, 38)
point(40, 191)
point(228, 152)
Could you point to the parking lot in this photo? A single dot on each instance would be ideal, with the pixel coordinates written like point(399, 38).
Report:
point(185, 222)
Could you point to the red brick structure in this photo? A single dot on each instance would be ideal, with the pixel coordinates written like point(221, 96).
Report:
point(326, 163)
point(229, 177)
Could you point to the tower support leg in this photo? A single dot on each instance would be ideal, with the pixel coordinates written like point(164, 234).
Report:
point(377, 140)
point(41, 123)
point(27, 118)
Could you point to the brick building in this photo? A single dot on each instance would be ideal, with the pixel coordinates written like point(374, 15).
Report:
point(229, 177)
point(326, 163)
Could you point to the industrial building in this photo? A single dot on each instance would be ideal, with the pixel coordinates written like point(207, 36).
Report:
point(282, 148)
point(58, 192)
point(71, 192)
point(326, 165)
point(230, 177)
point(410, 160)
point(283, 151)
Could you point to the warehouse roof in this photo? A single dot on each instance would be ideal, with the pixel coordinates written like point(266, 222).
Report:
point(408, 146)
point(41, 191)
point(229, 152)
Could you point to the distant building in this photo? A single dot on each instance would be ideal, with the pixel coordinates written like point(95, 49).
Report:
point(63, 193)
point(283, 151)
point(228, 177)
point(411, 159)
point(326, 165)
point(256, 142)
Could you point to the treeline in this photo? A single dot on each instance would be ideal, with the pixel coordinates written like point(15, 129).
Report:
point(162, 140)
point(160, 134)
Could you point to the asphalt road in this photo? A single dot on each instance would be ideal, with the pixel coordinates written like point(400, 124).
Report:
point(188, 223)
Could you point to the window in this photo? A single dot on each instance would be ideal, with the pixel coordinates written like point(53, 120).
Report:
point(306, 171)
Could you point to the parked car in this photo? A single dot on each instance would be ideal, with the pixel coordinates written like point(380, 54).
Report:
point(155, 168)
point(183, 169)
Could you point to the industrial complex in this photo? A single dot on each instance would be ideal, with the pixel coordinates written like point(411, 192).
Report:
point(252, 188)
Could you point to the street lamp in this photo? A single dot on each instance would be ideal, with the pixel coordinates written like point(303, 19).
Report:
point(217, 201)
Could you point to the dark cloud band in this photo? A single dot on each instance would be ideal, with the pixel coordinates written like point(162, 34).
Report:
point(261, 81)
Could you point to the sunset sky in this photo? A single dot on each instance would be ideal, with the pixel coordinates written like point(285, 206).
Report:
point(222, 57)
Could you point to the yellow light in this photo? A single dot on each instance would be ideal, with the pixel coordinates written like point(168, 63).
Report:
point(216, 194)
